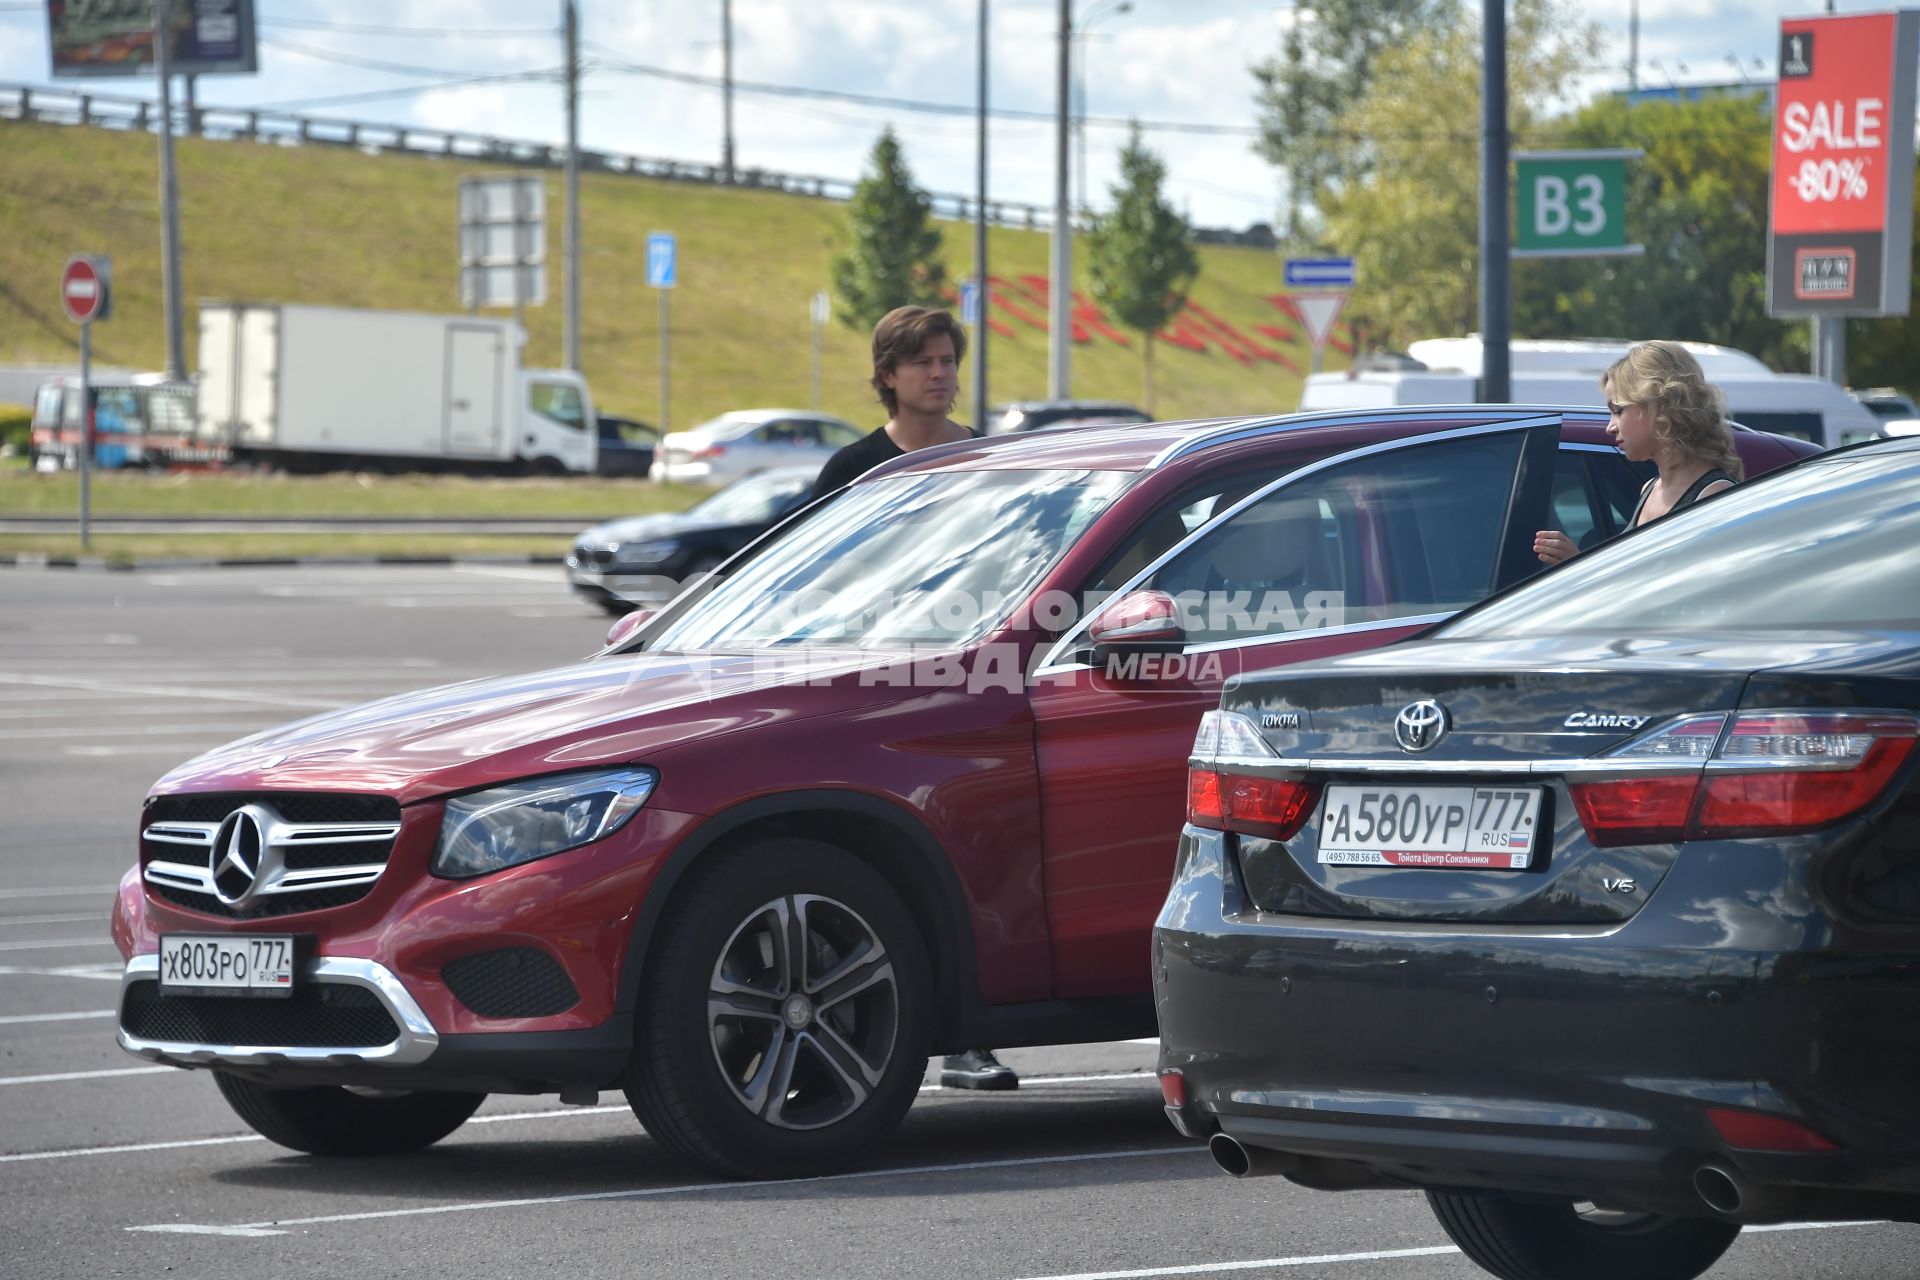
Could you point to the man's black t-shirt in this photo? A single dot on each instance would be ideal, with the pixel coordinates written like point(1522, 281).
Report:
point(856, 459)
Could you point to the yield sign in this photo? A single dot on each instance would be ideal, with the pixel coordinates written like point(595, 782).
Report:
point(1319, 312)
point(83, 290)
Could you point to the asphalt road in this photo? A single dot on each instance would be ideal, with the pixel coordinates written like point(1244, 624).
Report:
point(112, 1167)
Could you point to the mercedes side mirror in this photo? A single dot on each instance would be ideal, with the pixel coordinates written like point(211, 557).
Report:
point(626, 626)
point(1138, 622)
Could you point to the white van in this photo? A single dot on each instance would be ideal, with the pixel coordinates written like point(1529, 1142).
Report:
point(1567, 371)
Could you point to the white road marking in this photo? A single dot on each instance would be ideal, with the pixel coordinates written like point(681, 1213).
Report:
point(1378, 1255)
point(1033, 1081)
point(1255, 1264)
point(56, 944)
point(109, 972)
point(65, 919)
point(189, 1229)
point(109, 686)
point(231, 721)
point(17, 1018)
point(73, 891)
point(645, 1193)
point(178, 1144)
point(550, 576)
point(86, 1075)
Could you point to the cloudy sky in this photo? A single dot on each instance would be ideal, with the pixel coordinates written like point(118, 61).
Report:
point(1160, 60)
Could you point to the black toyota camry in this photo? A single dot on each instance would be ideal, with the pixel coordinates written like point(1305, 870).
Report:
point(1595, 912)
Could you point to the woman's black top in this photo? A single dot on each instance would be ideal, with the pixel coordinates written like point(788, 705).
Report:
point(1687, 499)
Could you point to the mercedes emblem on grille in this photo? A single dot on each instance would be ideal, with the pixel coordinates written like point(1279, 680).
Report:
point(237, 849)
point(1420, 725)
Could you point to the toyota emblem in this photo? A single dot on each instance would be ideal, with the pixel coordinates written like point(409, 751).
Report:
point(1420, 725)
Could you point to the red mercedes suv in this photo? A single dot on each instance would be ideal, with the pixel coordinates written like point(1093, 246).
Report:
point(903, 778)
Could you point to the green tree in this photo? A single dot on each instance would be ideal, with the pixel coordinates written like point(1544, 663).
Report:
point(1412, 220)
point(1140, 256)
point(892, 259)
point(1326, 61)
point(1698, 200)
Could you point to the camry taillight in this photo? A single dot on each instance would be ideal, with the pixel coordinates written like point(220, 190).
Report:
point(1768, 773)
point(1227, 789)
point(709, 453)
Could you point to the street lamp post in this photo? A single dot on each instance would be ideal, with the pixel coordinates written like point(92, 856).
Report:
point(1110, 9)
point(1060, 273)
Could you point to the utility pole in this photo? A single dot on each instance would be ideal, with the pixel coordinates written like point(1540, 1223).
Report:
point(1060, 286)
point(1496, 318)
point(1633, 47)
point(726, 91)
point(980, 236)
point(169, 197)
point(571, 20)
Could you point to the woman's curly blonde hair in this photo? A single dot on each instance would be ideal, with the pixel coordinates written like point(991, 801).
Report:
point(1689, 412)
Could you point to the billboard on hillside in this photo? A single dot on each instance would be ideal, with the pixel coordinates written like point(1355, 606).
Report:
point(115, 37)
point(1840, 226)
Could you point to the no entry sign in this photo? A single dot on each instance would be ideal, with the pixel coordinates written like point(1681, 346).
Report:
point(83, 288)
point(1842, 187)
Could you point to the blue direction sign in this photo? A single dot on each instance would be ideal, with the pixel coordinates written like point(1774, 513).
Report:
point(970, 304)
point(1319, 273)
point(662, 260)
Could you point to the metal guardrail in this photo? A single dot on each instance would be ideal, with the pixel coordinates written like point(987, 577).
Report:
point(110, 111)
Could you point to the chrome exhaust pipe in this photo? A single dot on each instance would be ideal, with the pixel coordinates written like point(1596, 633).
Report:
point(1242, 1161)
point(1719, 1189)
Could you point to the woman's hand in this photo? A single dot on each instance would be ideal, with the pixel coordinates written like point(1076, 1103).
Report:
point(1553, 546)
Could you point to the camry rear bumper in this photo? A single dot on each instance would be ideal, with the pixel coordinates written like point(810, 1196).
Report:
point(1573, 1061)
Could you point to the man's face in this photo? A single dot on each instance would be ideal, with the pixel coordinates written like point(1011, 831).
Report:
point(928, 382)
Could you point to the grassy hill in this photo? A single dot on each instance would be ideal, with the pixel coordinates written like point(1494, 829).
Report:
point(329, 225)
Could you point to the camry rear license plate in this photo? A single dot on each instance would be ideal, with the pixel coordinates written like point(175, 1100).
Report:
point(1450, 827)
point(226, 964)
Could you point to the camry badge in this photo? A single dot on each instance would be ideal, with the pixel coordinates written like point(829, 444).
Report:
point(1602, 720)
point(1420, 725)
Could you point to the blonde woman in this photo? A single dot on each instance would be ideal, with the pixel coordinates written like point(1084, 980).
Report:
point(1662, 409)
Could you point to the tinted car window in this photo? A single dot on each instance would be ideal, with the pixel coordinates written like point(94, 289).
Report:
point(1822, 546)
point(1574, 511)
point(838, 433)
point(1393, 534)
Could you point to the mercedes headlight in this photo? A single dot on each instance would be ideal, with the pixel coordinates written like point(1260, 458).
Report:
point(506, 826)
point(649, 552)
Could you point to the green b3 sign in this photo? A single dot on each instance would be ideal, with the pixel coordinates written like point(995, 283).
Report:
point(1572, 204)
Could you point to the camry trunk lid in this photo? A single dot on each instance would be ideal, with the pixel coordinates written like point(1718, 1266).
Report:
point(1437, 774)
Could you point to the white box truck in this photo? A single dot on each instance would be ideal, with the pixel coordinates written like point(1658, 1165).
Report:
point(1567, 371)
point(314, 388)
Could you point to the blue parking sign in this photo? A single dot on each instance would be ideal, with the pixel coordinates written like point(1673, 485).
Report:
point(970, 304)
point(662, 260)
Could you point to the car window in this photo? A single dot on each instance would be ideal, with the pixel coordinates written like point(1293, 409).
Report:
point(1807, 426)
point(805, 431)
point(1399, 533)
point(1818, 547)
point(47, 405)
point(1175, 520)
point(1575, 510)
point(930, 558)
point(558, 402)
point(838, 433)
point(1618, 484)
